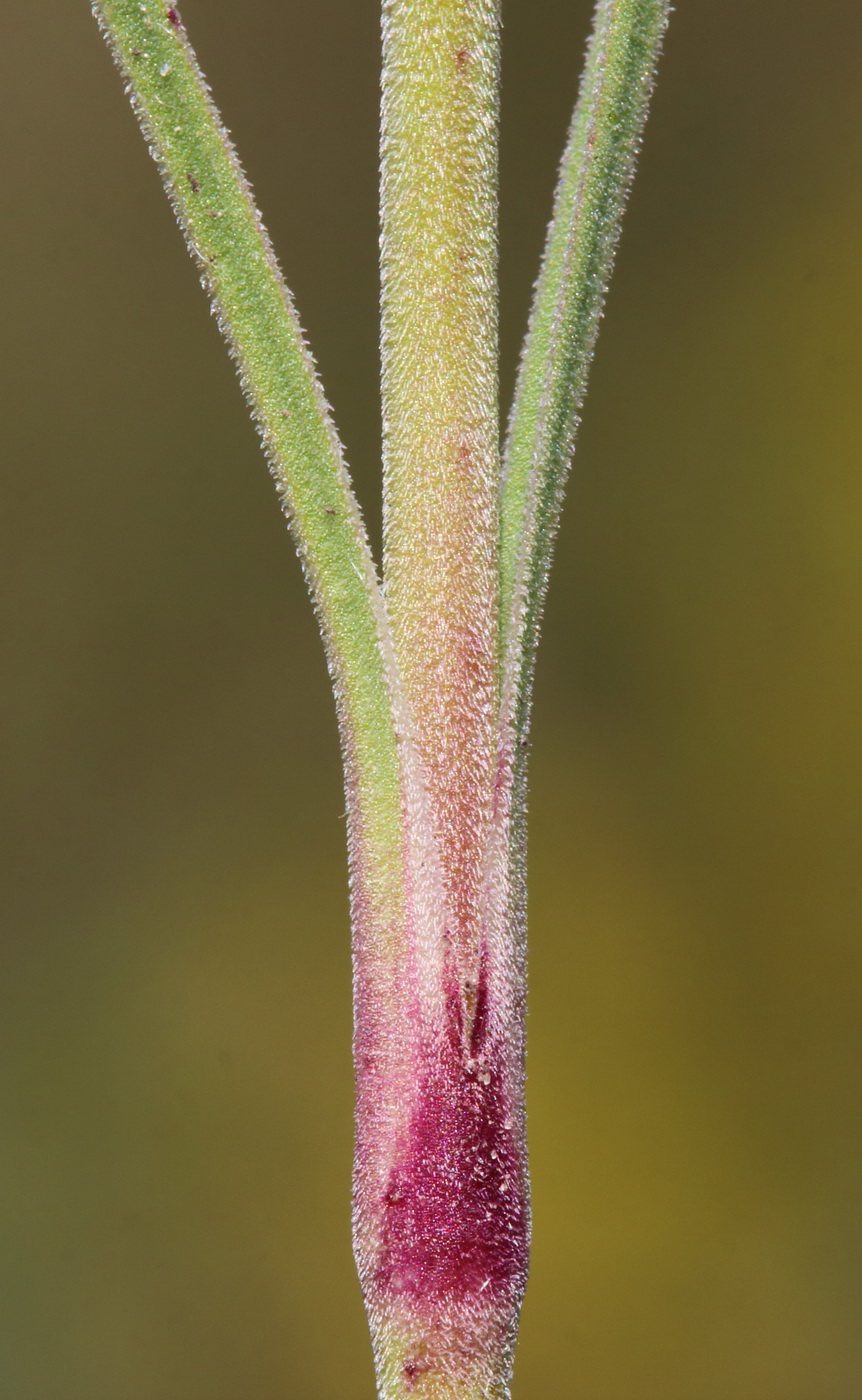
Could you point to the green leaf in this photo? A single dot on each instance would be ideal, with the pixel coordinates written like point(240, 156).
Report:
point(595, 177)
point(213, 203)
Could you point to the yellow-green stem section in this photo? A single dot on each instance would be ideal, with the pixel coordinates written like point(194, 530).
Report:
point(439, 385)
point(216, 211)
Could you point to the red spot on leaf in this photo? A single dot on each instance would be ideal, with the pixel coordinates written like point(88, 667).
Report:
point(193, 182)
point(174, 18)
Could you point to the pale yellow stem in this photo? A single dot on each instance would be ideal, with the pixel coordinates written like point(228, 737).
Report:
point(441, 452)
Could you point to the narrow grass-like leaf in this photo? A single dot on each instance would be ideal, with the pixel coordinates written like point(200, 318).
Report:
point(595, 177)
point(223, 228)
point(596, 173)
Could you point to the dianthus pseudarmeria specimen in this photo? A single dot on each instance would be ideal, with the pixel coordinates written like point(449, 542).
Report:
point(432, 664)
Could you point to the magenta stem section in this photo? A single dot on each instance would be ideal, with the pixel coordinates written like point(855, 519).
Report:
point(441, 1207)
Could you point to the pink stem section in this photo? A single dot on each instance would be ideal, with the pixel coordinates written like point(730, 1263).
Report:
point(441, 1193)
point(442, 1234)
point(441, 1201)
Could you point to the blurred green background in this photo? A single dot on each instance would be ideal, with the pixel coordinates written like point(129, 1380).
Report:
point(175, 1080)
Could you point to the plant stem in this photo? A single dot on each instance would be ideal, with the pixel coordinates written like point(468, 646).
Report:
point(441, 1211)
point(440, 415)
point(432, 686)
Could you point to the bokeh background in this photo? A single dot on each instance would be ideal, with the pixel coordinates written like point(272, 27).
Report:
point(175, 1079)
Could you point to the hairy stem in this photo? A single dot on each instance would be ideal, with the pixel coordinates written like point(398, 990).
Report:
point(441, 1209)
point(439, 385)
